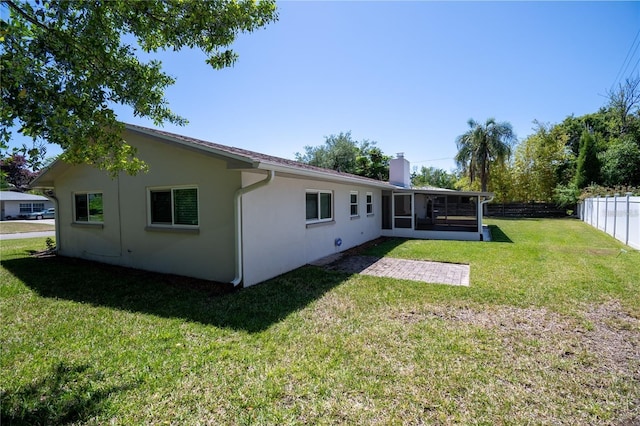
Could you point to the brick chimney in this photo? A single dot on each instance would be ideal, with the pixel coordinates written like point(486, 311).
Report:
point(399, 173)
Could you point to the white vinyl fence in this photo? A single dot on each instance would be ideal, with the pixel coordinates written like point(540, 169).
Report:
point(618, 216)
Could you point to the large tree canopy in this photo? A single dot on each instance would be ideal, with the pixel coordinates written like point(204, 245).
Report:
point(432, 176)
point(340, 152)
point(65, 64)
point(482, 145)
point(537, 162)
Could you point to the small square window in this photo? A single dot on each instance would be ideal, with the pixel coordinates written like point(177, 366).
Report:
point(88, 207)
point(318, 206)
point(174, 206)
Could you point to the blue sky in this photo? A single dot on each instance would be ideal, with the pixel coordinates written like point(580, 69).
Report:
point(405, 74)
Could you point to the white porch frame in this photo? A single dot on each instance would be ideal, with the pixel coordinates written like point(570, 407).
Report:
point(412, 232)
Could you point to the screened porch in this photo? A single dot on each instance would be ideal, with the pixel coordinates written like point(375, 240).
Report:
point(438, 214)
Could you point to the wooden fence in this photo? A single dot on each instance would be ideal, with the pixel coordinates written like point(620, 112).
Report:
point(526, 210)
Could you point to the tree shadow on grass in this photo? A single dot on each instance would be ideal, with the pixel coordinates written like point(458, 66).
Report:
point(252, 309)
point(68, 394)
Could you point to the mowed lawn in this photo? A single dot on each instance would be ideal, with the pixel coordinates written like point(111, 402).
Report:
point(547, 333)
point(7, 227)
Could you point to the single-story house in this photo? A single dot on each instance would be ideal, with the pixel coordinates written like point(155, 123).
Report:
point(14, 205)
point(226, 214)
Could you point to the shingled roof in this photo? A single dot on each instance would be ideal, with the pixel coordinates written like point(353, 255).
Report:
point(258, 160)
point(20, 196)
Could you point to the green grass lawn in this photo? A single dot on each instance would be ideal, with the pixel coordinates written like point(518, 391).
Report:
point(547, 333)
point(16, 227)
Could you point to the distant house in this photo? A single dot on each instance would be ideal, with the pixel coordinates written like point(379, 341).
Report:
point(14, 205)
point(226, 214)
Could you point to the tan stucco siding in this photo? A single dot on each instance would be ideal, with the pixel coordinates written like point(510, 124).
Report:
point(125, 239)
point(88, 242)
point(276, 238)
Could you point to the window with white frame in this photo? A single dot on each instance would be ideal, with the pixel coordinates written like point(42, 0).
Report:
point(353, 203)
point(176, 206)
point(88, 207)
point(31, 207)
point(369, 202)
point(318, 206)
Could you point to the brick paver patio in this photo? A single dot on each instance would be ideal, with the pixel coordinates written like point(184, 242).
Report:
point(414, 270)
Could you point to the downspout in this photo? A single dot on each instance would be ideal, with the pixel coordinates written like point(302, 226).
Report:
point(52, 195)
point(237, 210)
point(480, 214)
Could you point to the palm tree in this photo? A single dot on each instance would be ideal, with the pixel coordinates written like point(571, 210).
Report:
point(482, 145)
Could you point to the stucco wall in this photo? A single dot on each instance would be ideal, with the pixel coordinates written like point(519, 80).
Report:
point(276, 238)
point(125, 238)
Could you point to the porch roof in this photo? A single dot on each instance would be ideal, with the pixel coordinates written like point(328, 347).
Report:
point(443, 191)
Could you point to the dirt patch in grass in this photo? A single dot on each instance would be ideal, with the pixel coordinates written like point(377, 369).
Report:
point(606, 330)
point(602, 252)
point(592, 352)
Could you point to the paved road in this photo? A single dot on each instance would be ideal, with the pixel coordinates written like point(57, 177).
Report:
point(27, 235)
point(30, 234)
point(41, 221)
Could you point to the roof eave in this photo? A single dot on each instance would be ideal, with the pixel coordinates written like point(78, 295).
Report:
point(238, 161)
point(318, 174)
point(45, 178)
point(448, 192)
